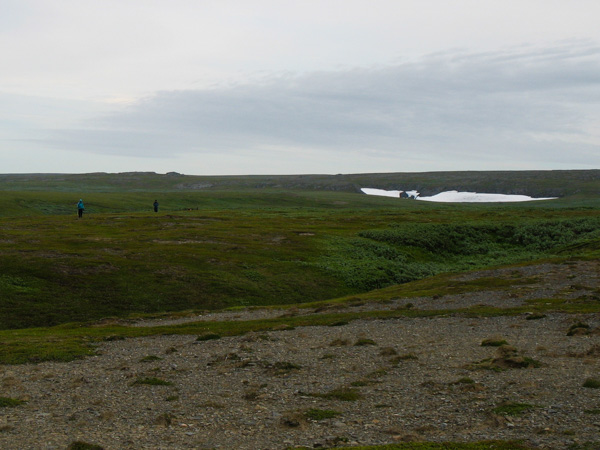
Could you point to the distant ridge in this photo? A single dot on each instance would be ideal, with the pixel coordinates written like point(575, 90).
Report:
point(535, 183)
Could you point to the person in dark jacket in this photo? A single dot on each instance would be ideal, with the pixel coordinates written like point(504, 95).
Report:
point(155, 205)
point(80, 208)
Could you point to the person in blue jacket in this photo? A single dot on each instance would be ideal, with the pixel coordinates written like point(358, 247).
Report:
point(80, 208)
point(155, 205)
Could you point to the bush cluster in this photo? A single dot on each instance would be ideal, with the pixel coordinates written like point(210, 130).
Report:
point(402, 253)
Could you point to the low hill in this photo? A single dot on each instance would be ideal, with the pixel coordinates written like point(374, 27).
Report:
point(555, 183)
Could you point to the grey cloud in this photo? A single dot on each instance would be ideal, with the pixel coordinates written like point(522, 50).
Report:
point(453, 105)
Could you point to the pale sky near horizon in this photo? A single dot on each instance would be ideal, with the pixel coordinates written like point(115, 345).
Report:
point(286, 87)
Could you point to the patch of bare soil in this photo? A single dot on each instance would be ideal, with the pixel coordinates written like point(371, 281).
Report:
point(421, 379)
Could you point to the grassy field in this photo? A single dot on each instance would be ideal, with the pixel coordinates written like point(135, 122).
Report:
point(219, 249)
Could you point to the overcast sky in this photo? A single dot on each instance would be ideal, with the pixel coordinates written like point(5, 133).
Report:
point(298, 86)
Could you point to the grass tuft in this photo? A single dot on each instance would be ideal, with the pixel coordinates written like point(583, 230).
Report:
point(492, 342)
point(7, 402)
point(150, 358)
point(535, 316)
point(464, 380)
point(321, 414)
point(512, 408)
point(152, 381)
point(344, 394)
point(208, 337)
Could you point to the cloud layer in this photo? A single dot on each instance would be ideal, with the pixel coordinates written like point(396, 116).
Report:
point(509, 109)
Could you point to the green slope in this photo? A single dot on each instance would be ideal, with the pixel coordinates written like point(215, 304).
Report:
point(252, 248)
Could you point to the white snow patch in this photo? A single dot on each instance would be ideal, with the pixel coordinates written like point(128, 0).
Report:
point(474, 197)
point(457, 197)
point(381, 192)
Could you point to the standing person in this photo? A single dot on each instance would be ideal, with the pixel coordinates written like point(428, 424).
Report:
point(155, 205)
point(80, 208)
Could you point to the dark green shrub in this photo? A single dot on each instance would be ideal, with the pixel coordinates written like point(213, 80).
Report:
point(493, 342)
point(512, 409)
point(364, 341)
point(321, 414)
point(80, 445)
point(208, 337)
point(464, 380)
point(535, 316)
point(152, 381)
point(7, 402)
point(593, 383)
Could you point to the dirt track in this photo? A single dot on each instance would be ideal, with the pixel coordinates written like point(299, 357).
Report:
point(417, 380)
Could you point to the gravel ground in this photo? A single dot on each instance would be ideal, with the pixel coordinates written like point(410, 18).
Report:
point(417, 380)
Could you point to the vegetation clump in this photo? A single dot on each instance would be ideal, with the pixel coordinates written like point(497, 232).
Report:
point(508, 357)
point(293, 420)
point(321, 414)
point(282, 368)
point(208, 337)
point(493, 342)
point(251, 395)
point(150, 358)
point(593, 383)
point(344, 394)
point(152, 381)
point(535, 316)
point(512, 408)
point(7, 402)
point(578, 329)
point(464, 380)
point(364, 341)
point(388, 351)
point(405, 357)
point(81, 445)
point(165, 419)
point(114, 338)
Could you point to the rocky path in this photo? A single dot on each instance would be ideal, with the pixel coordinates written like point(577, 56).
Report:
point(363, 383)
